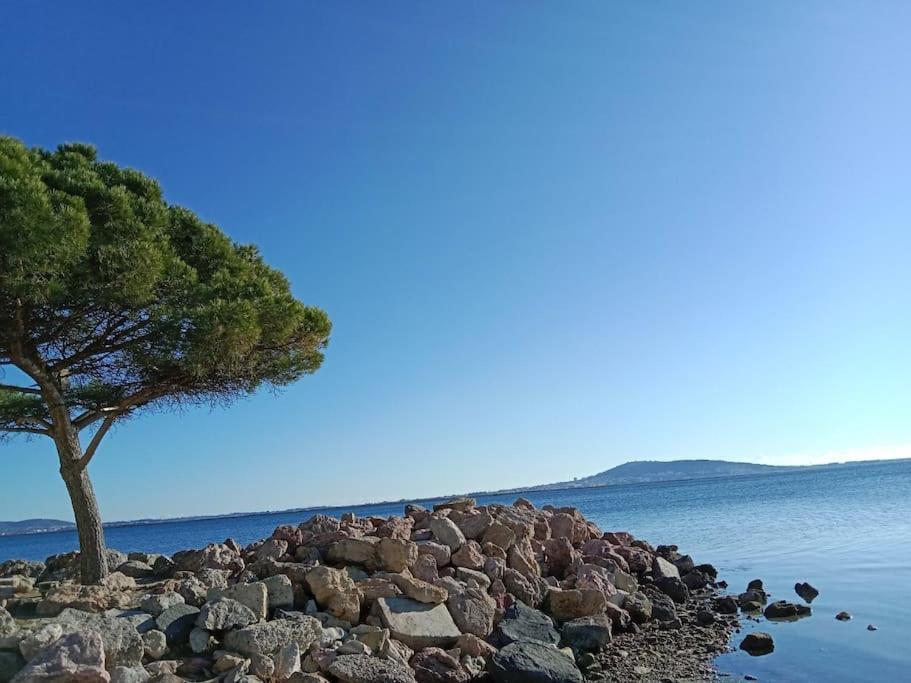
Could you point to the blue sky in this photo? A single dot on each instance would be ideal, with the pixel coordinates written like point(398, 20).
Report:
point(552, 238)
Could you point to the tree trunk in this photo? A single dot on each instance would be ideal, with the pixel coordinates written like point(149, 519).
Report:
point(92, 560)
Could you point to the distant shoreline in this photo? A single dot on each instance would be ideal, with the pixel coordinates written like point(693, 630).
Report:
point(774, 469)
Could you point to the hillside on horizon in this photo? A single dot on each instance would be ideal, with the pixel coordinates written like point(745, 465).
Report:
point(32, 526)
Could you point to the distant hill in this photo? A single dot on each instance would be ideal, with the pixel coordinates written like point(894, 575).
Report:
point(33, 526)
point(643, 471)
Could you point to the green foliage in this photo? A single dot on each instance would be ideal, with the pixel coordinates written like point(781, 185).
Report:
point(126, 300)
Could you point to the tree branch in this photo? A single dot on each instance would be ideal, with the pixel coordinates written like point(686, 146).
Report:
point(93, 444)
point(21, 390)
point(25, 430)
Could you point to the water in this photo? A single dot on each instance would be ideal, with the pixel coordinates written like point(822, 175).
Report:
point(846, 530)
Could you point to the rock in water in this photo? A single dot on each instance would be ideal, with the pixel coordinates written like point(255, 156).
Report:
point(806, 591)
point(757, 643)
point(843, 616)
point(782, 609)
point(77, 657)
point(527, 662)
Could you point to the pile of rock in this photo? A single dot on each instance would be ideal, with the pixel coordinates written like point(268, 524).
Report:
point(460, 592)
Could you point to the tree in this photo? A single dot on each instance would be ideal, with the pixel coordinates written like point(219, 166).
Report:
point(113, 301)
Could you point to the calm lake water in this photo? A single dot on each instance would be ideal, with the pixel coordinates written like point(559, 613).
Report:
point(846, 530)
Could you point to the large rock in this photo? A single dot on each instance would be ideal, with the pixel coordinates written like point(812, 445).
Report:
point(523, 623)
point(433, 665)
point(396, 554)
point(417, 624)
point(564, 605)
point(121, 641)
point(157, 603)
point(366, 669)
point(363, 551)
point(500, 535)
point(419, 590)
point(268, 637)
point(85, 598)
point(279, 592)
point(253, 595)
point(445, 531)
point(74, 658)
point(176, 623)
point(11, 663)
point(587, 634)
point(662, 569)
point(213, 556)
point(472, 611)
point(223, 614)
point(336, 592)
point(757, 643)
point(529, 662)
point(39, 639)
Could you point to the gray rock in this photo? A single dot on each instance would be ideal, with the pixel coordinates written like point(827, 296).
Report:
point(10, 664)
point(154, 643)
point(156, 604)
point(76, 658)
point(472, 611)
point(365, 669)
point(222, 614)
point(446, 532)
point(417, 624)
point(587, 634)
point(271, 636)
point(279, 592)
point(287, 661)
point(253, 595)
point(526, 662)
point(639, 607)
point(136, 569)
point(129, 674)
point(201, 641)
point(176, 623)
point(662, 569)
point(120, 639)
point(39, 639)
point(524, 623)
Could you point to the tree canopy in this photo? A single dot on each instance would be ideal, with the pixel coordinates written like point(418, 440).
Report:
point(121, 300)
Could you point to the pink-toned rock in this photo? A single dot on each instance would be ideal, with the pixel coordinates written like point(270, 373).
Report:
point(469, 556)
point(396, 527)
point(336, 592)
point(377, 587)
point(521, 587)
point(521, 557)
point(421, 591)
point(637, 560)
point(396, 554)
point(441, 553)
point(591, 576)
point(564, 605)
point(558, 553)
point(433, 665)
point(425, 568)
point(473, 646)
point(500, 535)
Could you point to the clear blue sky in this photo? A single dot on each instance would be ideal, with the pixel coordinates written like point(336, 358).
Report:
point(552, 237)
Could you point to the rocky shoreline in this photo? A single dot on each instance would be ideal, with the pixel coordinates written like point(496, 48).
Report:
point(453, 594)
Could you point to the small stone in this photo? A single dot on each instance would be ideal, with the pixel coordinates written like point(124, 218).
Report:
point(843, 616)
point(806, 591)
point(871, 627)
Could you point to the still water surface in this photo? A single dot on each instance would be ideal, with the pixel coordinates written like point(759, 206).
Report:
point(846, 530)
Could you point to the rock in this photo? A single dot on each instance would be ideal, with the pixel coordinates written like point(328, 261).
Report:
point(588, 634)
point(640, 607)
point(287, 661)
point(176, 622)
point(523, 623)
point(223, 614)
point(662, 569)
point(433, 665)
point(806, 591)
point(201, 641)
point(253, 595)
point(85, 598)
point(705, 618)
point(473, 526)
point(441, 553)
point(129, 674)
point(674, 588)
point(871, 627)
point(473, 611)
point(363, 551)
point(154, 643)
point(499, 535)
point(425, 568)
point(469, 575)
point(397, 555)
point(279, 592)
point(10, 664)
point(469, 556)
point(76, 658)
point(473, 646)
point(270, 636)
point(336, 592)
point(530, 662)
point(156, 604)
point(213, 556)
point(565, 605)
point(460, 504)
point(663, 608)
point(121, 641)
point(726, 605)
point(523, 589)
point(417, 624)
point(446, 532)
point(376, 587)
point(420, 590)
point(783, 609)
point(757, 643)
point(843, 616)
point(136, 569)
point(365, 669)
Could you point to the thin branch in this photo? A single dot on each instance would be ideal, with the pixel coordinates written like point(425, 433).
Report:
point(25, 430)
point(21, 390)
point(93, 444)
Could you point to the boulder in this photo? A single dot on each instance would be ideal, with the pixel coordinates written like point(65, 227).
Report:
point(472, 610)
point(136, 569)
point(85, 598)
point(362, 551)
point(419, 590)
point(499, 535)
point(445, 531)
point(565, 605)
point(674, 588)
point(253, 595)
point(587, 634)
point(158, 603)
point(523, 623)
point(335, 591)
point(154, 644)
point(279, 592)
point(76, 658)
point(530, 662)
point(757, 643)
point(441, 553)
point(37, 640)
point(469, 556)
point(396, 555)
point(366, 669)
point(121, 641)
point(662, 569)
point(461, 504)
point(268, 637)
point(433, 665)
point(474, 525)
point(222, 614)
point(640, 607)
point(176, 622)
point(130, 674)
point(417, 624)
point(806, 591)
